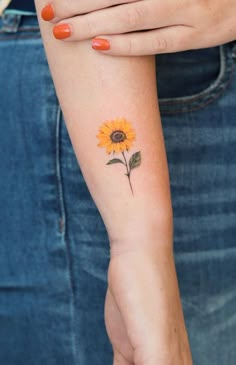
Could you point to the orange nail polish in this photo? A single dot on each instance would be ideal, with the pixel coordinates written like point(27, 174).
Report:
point(47, 13)
point(62, 31)
point(100, 44)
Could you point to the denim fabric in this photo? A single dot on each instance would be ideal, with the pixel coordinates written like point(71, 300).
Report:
point(23, 5)
point(54, 249)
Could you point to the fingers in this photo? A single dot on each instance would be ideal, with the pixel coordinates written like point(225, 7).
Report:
point(66, 9)
point(116, 20)
point(139, 15)
point(160, 30)
point(165, 40)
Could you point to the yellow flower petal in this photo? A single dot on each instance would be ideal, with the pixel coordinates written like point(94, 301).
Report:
point(109, 148)
point(130, 135)
point(116, 146)
point(105, 129)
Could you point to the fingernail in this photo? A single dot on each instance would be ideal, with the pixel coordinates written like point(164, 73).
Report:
point(47, 13)
point(100, 44)
point(62, 31)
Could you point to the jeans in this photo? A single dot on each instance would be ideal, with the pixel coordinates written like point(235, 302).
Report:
point(54, 249)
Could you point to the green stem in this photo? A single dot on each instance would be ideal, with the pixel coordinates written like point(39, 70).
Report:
point(128, 172)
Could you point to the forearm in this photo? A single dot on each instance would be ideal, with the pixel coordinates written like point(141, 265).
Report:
point(93, 88)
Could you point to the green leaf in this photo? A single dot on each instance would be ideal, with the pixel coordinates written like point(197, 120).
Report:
point(135, 160)
point(115, 160)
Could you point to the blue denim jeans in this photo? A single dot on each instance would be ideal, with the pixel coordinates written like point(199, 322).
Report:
point(54, 249)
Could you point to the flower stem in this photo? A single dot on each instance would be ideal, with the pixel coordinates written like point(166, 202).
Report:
point(128, 172)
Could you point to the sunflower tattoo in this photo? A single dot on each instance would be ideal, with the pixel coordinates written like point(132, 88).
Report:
point(117, 136)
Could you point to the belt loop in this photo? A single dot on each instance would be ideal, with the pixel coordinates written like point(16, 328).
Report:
point(10, 22)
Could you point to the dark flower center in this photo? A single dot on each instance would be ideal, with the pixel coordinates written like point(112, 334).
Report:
point(118, 136)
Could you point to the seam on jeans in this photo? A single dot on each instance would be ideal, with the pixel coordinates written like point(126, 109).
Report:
point(62, 224)
point(203, 104)
point(210, 88)
point(17, 36)
point(63, 227)
point(19, 12)
point(207, 96)
point(28, 28)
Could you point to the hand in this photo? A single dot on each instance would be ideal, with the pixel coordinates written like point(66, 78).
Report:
point(143, 312)
point(163, 26)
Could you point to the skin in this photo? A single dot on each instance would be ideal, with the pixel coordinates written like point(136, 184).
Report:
point(143, 311)
point(172, 25)
point(145, 322)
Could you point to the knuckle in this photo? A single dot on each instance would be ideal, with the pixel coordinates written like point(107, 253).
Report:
point(129, 49)
point(180, 43)
point(159, 44)
point(62, 8)
point(90, 26)
point(107, 3)
point(135, 17)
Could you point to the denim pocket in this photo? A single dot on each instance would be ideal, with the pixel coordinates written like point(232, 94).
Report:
point(202, 78)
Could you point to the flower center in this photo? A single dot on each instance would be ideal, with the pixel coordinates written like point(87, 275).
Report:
point(118, 136)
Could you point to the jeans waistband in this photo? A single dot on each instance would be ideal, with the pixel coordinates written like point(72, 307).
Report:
point(13, 21)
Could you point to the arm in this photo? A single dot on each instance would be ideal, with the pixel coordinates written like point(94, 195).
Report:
point(93, 89)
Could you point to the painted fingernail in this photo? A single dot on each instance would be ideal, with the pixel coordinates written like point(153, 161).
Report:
point(62, 31)
point(47, 13)
point(100, 44)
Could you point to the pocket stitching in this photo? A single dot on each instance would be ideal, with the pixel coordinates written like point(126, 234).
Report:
point(208, 95)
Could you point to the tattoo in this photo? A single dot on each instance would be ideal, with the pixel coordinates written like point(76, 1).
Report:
point(117, 136)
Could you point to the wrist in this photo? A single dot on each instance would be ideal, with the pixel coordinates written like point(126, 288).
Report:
point(142, 233)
